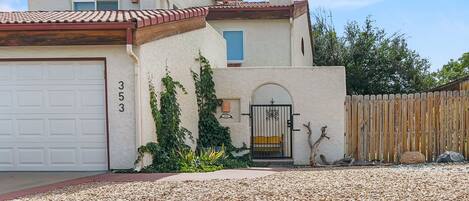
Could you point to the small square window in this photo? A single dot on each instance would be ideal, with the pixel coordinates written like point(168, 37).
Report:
point(234, 45)
point(81, 6)
point(107, 5)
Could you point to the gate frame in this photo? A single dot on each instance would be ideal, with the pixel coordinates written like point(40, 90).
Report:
point(290, 126)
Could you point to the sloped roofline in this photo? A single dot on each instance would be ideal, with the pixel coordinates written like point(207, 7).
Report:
point(39, 28)
point(257, 10)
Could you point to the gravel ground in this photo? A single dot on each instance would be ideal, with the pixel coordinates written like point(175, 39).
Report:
point(427, 182)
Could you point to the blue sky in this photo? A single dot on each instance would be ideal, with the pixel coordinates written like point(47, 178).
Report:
point(437, 29)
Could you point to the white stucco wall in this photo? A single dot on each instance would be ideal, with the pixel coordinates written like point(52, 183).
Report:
point(53, 5)
point(300, 31)
point(281, 2)
point(165, 4)
point(267, 93)
point(119, 68)
point(266, 42)
point(191, 3)
point(49, 5)
point(178, 53)
point(318, 94)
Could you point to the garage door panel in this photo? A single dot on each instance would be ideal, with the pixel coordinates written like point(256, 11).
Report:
point(28, 72)
point(90, 71)
point(6, 127)
point(7, 98)
point(29, 98)
point(93, 155)
point(63, 156)
point(5, 73)
point(6, 156)
point(30, 127)
point(31, 156)
point(62, 127)
point(60, 72)
point(53, 126)
point(93, 127)
point(78, 156)
point(61, 98)
point(52, 116)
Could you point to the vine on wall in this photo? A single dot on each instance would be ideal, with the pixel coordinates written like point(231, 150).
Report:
point(170, 135)
point(211, 133)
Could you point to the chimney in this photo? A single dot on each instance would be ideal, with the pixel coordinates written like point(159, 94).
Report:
point(281, 2)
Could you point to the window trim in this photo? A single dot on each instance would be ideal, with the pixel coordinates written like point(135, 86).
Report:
point(244, 45)
point(95, 3)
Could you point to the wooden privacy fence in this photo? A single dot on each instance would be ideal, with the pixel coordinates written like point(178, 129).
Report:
point(382, 127)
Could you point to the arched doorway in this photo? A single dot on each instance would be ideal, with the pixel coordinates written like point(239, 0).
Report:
point(271, 122)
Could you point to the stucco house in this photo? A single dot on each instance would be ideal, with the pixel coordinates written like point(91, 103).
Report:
point(74, 79)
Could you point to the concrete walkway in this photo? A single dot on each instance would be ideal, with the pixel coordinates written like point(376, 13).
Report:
point(14, 181)
point(221, 174)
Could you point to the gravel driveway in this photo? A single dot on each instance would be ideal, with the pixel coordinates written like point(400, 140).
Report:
point(429, 182)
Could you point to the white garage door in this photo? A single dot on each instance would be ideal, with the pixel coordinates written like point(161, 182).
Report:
point(52, 116)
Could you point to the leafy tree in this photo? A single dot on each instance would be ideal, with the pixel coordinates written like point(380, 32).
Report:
point(453, 70)
point(376, 62)
point(327, 46)
point(211, 133)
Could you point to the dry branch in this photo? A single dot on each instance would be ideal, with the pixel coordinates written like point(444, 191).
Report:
point(314, 147)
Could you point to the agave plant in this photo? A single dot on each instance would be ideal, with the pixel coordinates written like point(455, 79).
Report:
point(210, 156)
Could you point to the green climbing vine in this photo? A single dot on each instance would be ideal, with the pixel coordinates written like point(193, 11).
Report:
point(170, 135)
point(211, 133)
point(170, 153)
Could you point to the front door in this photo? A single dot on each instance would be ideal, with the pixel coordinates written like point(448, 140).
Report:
point(271, 131)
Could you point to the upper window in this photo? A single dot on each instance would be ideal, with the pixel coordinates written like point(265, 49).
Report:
point(80, 5)
point(107, 5)
point(234, 45)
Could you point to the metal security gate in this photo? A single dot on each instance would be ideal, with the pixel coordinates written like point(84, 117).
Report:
point(271, 131)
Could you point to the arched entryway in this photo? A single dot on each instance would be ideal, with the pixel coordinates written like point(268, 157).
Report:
point(271, 122)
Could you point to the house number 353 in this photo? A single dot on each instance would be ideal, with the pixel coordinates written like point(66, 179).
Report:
point(121, 96)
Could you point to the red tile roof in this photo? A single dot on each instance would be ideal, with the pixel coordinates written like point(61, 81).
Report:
point(141, 18)
point(239, 4)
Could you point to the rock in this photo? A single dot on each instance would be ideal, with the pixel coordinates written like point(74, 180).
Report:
point(412, 157)
point(450, 157)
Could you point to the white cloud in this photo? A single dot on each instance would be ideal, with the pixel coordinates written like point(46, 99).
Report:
point(4, 6)
point(13, 5)
point(350, 4)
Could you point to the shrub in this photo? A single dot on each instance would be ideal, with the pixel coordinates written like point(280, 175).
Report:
point(206, 160)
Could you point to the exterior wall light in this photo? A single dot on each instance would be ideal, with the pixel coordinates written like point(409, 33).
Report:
point(225, 110)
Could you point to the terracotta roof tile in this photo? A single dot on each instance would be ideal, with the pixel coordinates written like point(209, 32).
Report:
point(239, 4)
point(140, 17)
